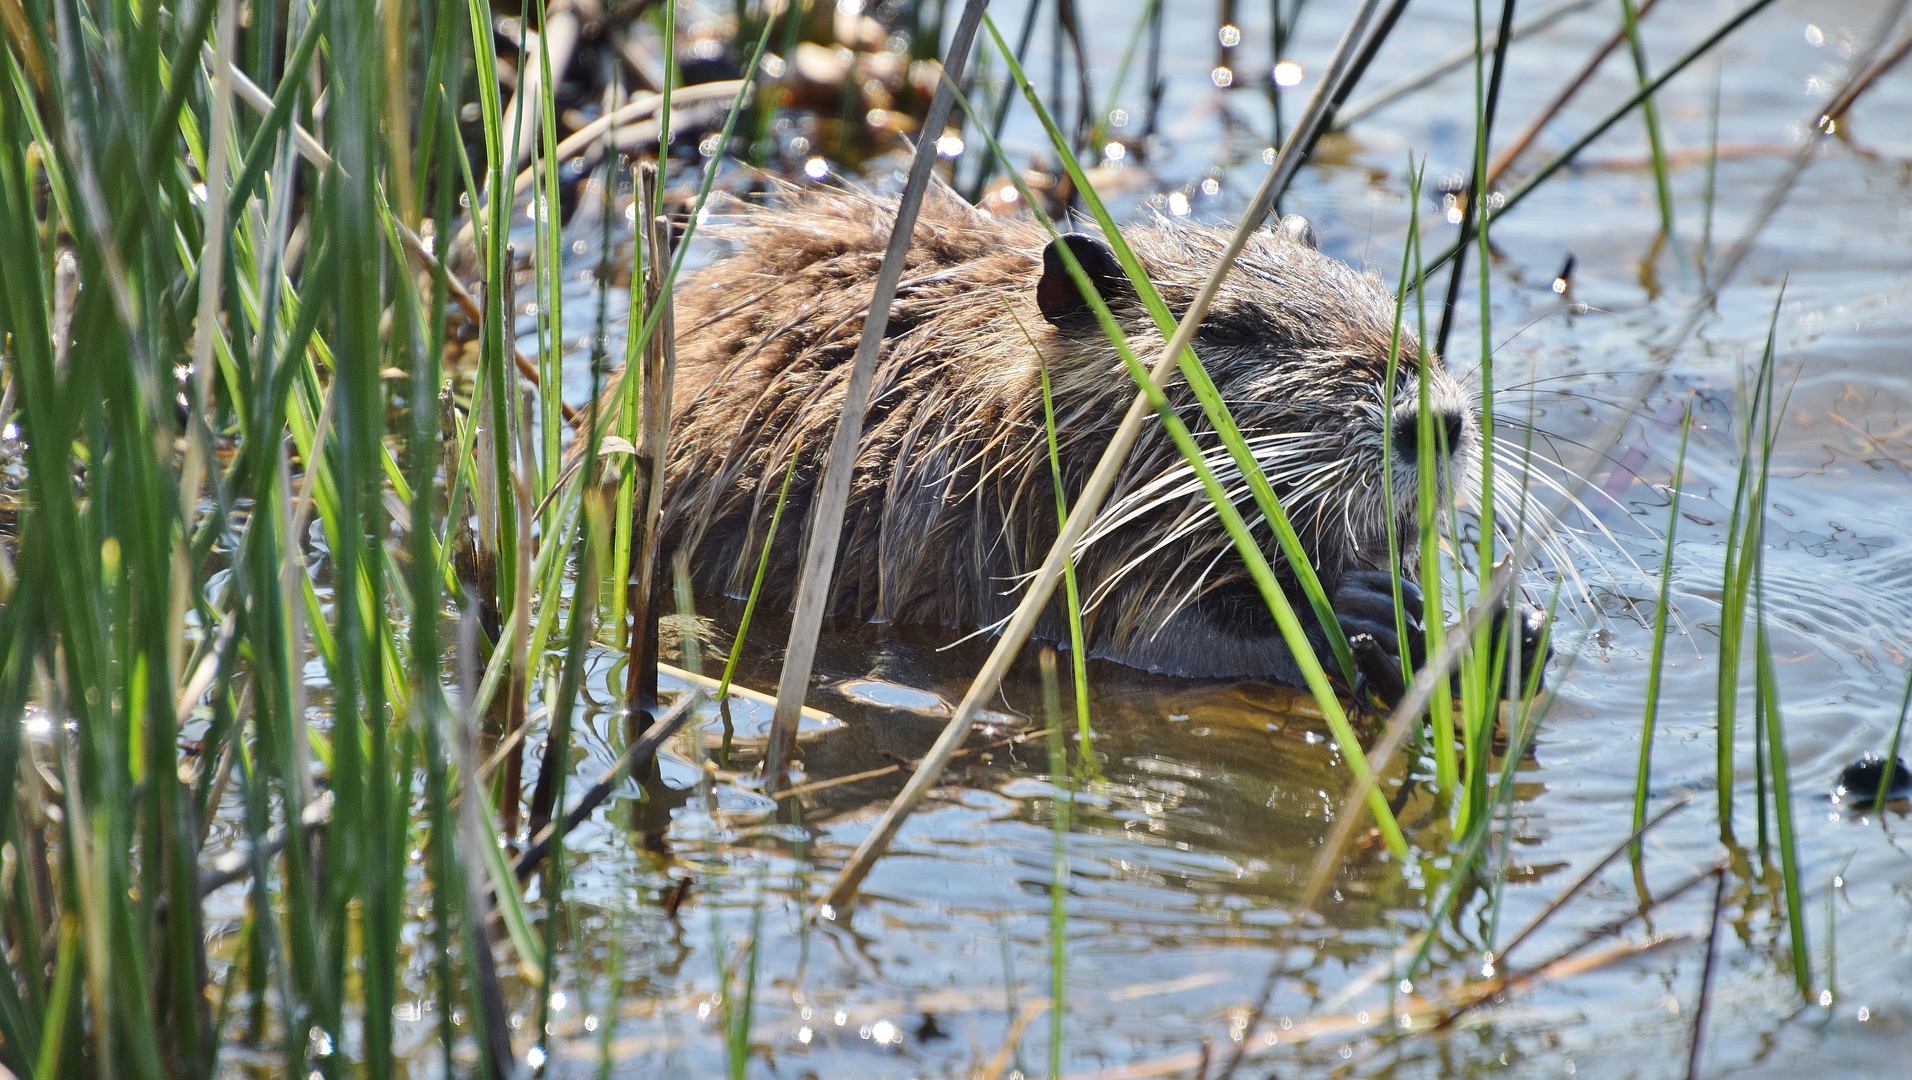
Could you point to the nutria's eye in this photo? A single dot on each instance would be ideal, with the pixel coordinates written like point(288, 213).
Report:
point(1223, 333)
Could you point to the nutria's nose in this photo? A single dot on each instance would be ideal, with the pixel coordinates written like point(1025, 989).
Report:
point(1407, 431)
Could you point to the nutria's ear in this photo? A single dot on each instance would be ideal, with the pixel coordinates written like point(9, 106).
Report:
point(1296, 228)
point(1057, 295)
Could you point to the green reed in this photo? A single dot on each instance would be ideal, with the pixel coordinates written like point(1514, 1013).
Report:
point(1416, 175)
point(1427, 523)
point(1741, 544)
point(1743, 597)
point(1480, 686)
point(139, 644)
point(1656, 664)
point(1061, 809)
point(1767, 718)
point(1892, 748)
point(1650, 116)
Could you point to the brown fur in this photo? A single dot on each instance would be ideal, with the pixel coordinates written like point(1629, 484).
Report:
point(952, 501)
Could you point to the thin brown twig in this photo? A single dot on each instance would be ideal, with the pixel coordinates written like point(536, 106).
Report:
point(1542, 118)
point(1504, 981)
point(1838, 106)
point(657, 372)
point(1587, 878)
point(467, 303)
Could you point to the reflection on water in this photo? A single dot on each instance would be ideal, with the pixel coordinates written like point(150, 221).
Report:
point(1188, 847)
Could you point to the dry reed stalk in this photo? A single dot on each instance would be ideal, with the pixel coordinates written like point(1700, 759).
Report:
point(1089, 502)
point(833, 493)
point(660, 363)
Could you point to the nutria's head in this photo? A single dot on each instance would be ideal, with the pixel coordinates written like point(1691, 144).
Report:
point(1298, 344)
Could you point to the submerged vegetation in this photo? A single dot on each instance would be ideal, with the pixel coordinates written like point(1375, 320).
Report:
point(335, 640)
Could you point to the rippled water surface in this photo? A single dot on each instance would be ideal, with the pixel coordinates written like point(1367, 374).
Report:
point(1186, 857)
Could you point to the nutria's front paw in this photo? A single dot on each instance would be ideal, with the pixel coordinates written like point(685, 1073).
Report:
point(1364, 606)
point(1536, 647)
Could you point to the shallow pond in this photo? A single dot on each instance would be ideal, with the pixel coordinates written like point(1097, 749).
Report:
point(1185, 858)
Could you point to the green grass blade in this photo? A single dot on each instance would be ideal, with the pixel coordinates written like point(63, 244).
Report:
point(1657, 663)
point(1061, 803)
point(763, 567)
point(1650, 114)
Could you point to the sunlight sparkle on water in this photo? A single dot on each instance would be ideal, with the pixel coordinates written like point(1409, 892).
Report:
point(1287, 73)
point(816, 169)
point(1222, 77)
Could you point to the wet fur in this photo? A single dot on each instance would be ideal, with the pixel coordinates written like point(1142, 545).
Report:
point(952, 502)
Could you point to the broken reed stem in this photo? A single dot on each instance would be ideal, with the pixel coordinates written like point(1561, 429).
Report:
point(826, 520)
point(1089, 502)
point(653, 450)
point(637, 753)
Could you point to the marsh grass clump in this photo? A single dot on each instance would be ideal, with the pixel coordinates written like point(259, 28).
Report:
point(330, 678)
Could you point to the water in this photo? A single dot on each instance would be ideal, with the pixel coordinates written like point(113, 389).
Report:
point(1186, 857)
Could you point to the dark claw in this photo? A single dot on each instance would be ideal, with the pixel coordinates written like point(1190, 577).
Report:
point(1364, 606)
point(1379, 667)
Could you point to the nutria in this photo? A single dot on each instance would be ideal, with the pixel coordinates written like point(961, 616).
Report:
point(952, 502)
